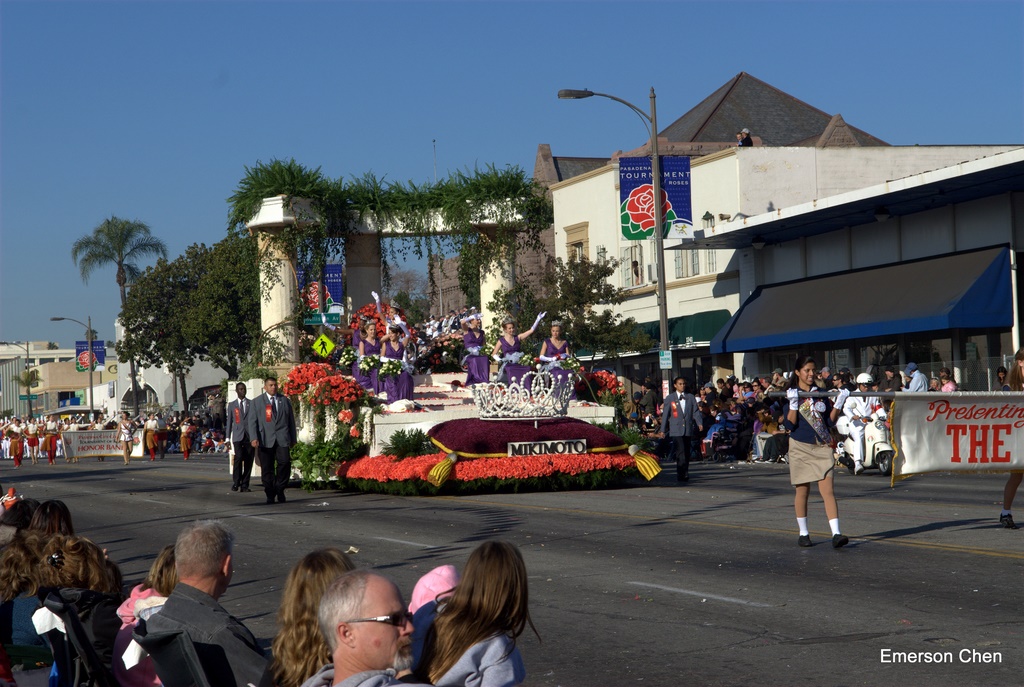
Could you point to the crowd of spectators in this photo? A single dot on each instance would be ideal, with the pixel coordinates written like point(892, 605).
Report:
point(336, 624)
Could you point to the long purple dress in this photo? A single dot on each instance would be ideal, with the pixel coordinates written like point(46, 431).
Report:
point(400, 387)
point(514, 373)
point(369, 382)
point(355, 366)
point(478, 367)
point(561, 376)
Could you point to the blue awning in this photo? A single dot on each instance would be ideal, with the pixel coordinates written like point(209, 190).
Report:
point(962, 291)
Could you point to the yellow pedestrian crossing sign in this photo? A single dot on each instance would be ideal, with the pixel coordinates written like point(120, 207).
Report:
point(323, 346)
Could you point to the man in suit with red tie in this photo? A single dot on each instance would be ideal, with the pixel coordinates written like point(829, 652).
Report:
point(272, 430)
point(237, 432)
point(681, 417)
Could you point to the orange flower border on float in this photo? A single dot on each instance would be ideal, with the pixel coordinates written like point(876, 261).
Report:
point(385, 468)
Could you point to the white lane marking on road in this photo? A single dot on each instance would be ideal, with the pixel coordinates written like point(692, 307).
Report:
point(703, 595)
point(162, 503)
point(407, 543)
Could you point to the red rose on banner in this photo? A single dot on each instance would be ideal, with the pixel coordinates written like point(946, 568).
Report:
point(637, 213)
point(640, 206)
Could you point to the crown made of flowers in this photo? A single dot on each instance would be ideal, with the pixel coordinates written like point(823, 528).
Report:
point(540, 395)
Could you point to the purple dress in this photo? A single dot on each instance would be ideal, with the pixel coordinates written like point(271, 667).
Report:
point(400, 387)
point(561, 376)
point(514, 373)
point(368, 382)
point(478, 367)
point(355, 366)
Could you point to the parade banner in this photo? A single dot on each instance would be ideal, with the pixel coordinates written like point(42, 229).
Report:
point(332, 288)
point(99, 355)
point(957, 432)
point(94, 443)
point(636, 198)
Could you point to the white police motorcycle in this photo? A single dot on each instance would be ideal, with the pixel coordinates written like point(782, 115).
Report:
point(878, 451)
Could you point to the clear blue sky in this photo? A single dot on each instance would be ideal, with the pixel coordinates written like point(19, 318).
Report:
point(150, 110)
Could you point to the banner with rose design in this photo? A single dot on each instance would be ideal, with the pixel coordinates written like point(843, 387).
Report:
point(636, 198)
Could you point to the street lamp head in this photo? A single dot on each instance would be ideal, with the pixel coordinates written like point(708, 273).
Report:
point(574, 94)
point(56, 319)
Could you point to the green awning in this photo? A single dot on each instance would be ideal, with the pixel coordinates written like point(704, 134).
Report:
point(688, 330)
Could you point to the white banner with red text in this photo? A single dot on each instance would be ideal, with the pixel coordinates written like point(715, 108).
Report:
point(958, 432)
point(97, 442)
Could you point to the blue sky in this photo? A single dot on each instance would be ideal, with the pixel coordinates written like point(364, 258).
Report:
point(151, 110)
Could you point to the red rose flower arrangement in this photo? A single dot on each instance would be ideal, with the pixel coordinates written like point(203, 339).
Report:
point(370, 311)
point(334, 390)
point(301, 377)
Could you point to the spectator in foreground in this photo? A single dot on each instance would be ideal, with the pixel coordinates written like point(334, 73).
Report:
point(368, 630)
point(226, 648)
point(299, 649)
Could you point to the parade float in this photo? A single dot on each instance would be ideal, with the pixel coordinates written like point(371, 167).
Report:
point(521, 439)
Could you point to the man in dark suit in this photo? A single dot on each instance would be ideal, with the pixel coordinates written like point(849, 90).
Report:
point(272, 430)
point(682, 418)
point(237, 432)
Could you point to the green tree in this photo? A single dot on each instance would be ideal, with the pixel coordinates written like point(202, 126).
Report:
point(579, 294)
point(27, 379)
point(204, 304)
point(121, 243)
point(155, 313)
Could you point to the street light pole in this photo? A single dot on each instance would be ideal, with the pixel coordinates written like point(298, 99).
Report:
point(659, 236)
point(28, 394)
point(89, 357)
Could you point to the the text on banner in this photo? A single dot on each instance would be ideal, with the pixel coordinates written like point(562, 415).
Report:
point(960, 432)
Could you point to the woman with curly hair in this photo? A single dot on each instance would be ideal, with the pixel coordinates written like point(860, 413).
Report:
point(471, 638)
point(19, 582)
point(299, 648)
point(78, 572)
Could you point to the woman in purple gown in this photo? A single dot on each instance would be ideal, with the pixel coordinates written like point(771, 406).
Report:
point(478, 367)
point(369, 344)
point(508, 345)
point(400, 387)
point(557, 348)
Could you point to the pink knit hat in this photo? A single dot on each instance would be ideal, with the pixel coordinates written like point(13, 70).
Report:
point(439, 582)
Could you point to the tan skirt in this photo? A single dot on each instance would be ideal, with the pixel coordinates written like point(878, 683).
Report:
point(809, 462)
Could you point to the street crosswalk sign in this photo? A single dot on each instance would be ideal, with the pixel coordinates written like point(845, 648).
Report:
point(323, 346)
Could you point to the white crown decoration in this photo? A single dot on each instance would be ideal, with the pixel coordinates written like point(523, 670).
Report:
point(546, 396)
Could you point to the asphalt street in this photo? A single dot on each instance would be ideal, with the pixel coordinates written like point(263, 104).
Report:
point(656, 584)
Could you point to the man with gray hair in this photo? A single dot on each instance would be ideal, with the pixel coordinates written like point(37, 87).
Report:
point(368, 629)
point(226, 648)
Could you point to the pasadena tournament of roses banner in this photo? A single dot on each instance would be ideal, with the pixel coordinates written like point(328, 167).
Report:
point(958, 432)
point(97, 442)
point(636, 198)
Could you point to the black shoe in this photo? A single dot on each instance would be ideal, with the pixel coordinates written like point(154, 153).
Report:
point(234, 487)
point(839, 541)
point(1007, 522)
point(804, 540)
point(244, 489)
point(270, 499)
point(281, 498)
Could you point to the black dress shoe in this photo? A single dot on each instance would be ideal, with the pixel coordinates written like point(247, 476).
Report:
point(245, 489)
point(804, 540)
point(839, 541)
point(270, 499)
point(234, 488)
point(281, 498)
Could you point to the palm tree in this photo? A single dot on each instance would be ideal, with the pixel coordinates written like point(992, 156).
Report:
point(27, 379)
point(121, 243)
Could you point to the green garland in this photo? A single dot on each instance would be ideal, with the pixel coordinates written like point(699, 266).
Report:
point(486, 215)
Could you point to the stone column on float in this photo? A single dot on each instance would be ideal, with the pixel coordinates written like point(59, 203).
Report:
point(278, 279)
point(362, 267)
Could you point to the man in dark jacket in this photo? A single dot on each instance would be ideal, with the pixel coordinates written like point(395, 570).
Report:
point(681, 420)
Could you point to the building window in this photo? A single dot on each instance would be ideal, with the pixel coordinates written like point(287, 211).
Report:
point(712, 261)
point(632, 268)
point(576, 251)
point(680, 270)
point(694, 263)
point(602, 255)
